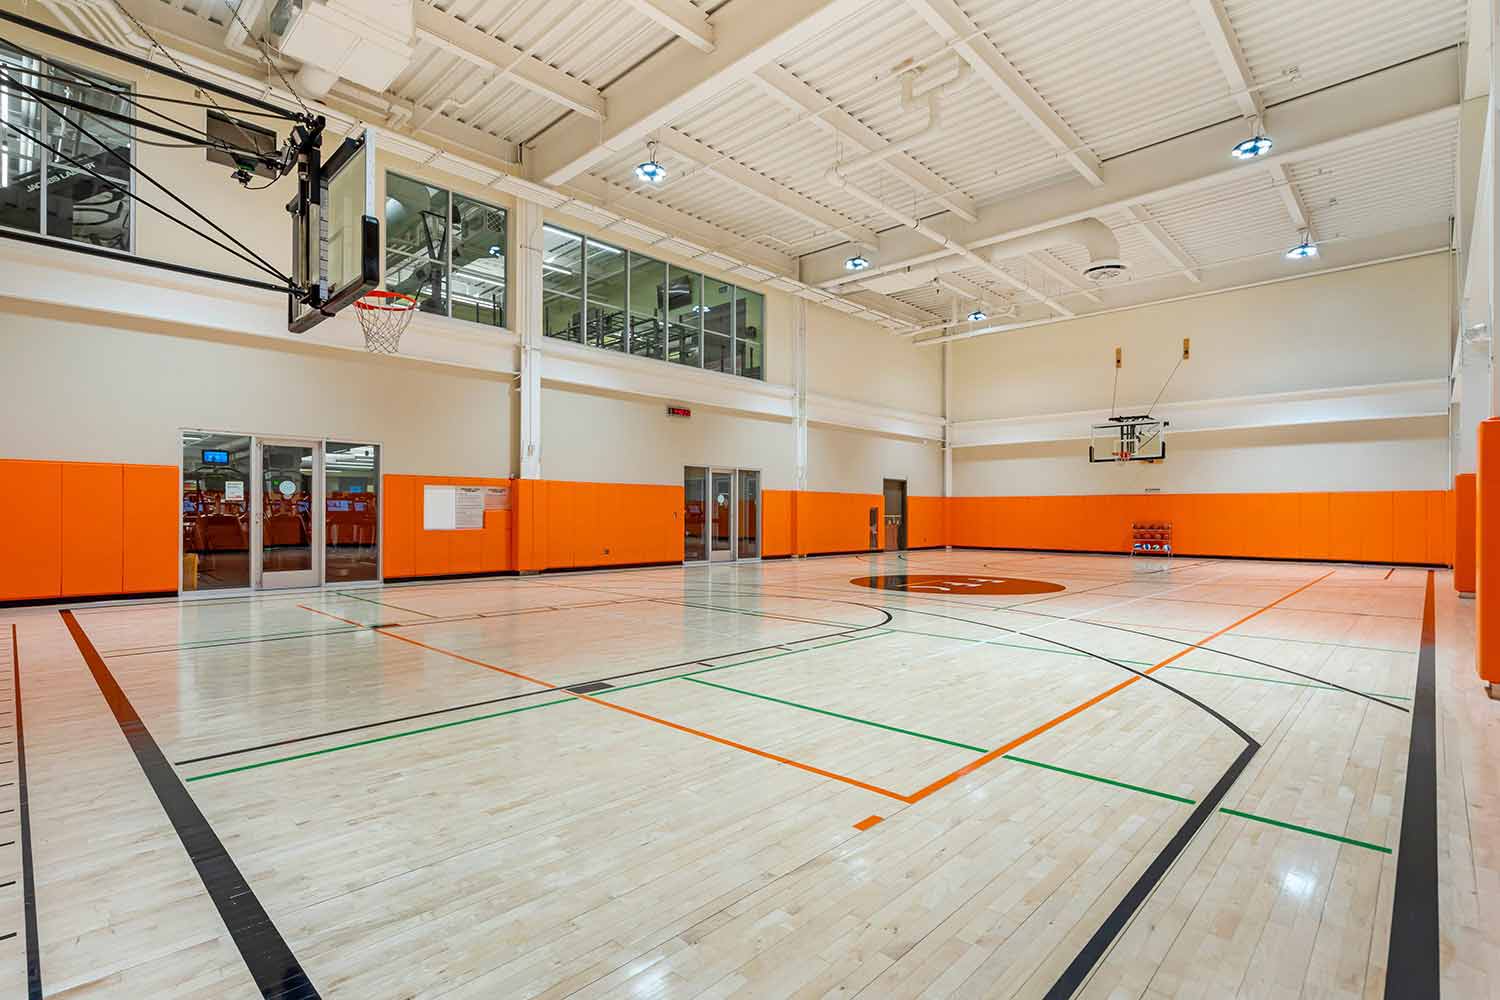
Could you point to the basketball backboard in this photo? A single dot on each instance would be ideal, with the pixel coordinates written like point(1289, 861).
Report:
point(335, 232)
point(1128, 439)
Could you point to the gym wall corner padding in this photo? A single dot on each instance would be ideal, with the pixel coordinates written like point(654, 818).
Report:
point(1463, 532)
point(1487, 549)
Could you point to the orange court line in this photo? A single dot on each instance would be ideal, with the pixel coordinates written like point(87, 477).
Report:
point(630, 711)
point(868, 822)
point(1001, 751)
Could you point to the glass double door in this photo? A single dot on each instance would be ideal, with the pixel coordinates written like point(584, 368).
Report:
point(721, 520)
point(269, 513)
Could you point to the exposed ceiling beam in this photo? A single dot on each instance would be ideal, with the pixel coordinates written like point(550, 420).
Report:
point(680, 18)
point(679, 224)
point(1289, 195)
point(955, 28)
point(782, 85)
point(1065, 275)
point(1230, 57)
point(1365, 111)
point(488, 52)
point(764, 187)
point(891, 306)
point(1164, 243)
point(662, 89)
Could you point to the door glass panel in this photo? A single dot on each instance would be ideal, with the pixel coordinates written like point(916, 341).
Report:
point(722, 493)
point(215, 511)
point(695, 514)
point(286, 497)
point(352, 529)
point(749, 510)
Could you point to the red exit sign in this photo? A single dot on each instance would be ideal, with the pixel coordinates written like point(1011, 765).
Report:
point(679, 411)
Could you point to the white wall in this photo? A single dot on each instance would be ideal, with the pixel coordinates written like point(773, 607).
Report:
point(1369, 326)
point(845, 461)
point(850, 358)
point(1370, 455)
point(603, 438)
point(1387, 323)
point(77, 390)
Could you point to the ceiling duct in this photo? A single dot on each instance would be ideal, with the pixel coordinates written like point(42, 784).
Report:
point(367, 42)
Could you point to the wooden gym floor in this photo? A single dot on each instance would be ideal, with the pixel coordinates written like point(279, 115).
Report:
point(757, 780)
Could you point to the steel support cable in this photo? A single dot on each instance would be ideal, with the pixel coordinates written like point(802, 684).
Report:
point(253, 257)
point(116, 186)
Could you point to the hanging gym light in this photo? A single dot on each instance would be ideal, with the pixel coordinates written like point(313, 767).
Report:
point(1303, 250)
point(857, 263)
point(1259, 144)
point(652, 172)
point(978, 316)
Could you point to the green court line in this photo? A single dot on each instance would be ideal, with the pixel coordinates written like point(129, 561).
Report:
point(838, 715)
point(1101, 780)
point(377, 739)
point(1306, 829)
point(227, 641)
point(496, 715)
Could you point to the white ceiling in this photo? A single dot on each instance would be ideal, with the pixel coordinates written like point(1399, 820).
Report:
point(1102, 107)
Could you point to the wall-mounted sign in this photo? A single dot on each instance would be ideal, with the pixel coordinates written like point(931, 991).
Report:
point(234, 489)
point(497, 498)
point(446, 508)
point(468, 507)
point(287, 488)
point(679, 411)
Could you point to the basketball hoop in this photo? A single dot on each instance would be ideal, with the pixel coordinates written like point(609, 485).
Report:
point(384, 316)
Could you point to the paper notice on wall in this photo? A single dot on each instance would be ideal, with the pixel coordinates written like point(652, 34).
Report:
point(468, 512)
point(497, 498)
point(439, 507)
point(234, 489)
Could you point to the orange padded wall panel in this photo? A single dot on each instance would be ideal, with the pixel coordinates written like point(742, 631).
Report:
point(1463, 533)
point(834, 522)
point(927, 522)
point(400, 512)
point(151, 524)
point(93, 545)
point(776, 523)
point(411, 551)
point(1487, 549)
point(1382, 526)
point(30, 530)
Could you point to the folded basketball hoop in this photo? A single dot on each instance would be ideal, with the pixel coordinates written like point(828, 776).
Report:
point(384, 316)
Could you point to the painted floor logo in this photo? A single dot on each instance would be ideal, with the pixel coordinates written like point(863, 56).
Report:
point(950, 583)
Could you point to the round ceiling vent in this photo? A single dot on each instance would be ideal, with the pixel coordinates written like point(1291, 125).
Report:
point(1105, 270)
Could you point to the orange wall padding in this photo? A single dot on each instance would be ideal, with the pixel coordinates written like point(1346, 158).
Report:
point(1383, 526)
point(80, 529)
point(1463, 533)
point(835, 522)
point(776, 523)
point(1487, 545)
point(927, 522)
point(551, 525)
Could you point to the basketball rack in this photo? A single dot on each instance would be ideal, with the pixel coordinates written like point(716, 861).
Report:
point(1151, 538)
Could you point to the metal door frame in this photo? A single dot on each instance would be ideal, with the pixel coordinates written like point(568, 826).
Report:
point(317, 513)
point(734, 493)
point(902, 537)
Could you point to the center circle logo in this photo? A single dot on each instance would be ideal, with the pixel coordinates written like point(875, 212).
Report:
point(951, 583)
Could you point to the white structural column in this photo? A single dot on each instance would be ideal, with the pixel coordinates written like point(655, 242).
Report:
point(799, 380)
point(947, 420)
point(1472, 390)
point(526, 276)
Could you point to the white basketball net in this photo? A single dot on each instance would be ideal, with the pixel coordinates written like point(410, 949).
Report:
point(384, 316)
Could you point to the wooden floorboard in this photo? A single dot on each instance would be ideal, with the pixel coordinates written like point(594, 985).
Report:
point(774, 783)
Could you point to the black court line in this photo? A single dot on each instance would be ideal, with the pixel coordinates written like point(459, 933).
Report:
point(847, 630)
point(23, 803)
point(1221, 652)
point(383, 604)
point(1413, 964)
point(274, 968)
point(1083, 963)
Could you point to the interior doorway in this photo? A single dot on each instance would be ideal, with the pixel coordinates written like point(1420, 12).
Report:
point(264, 513)
point(895, 514)
point(721, 516)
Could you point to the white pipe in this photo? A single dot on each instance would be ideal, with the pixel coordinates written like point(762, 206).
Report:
point(908, 101)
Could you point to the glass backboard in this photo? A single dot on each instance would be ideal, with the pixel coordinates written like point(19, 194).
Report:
point(335, 233)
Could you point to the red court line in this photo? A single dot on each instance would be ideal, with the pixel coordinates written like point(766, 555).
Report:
point(630, 711)
point(1001, 751)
